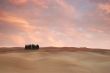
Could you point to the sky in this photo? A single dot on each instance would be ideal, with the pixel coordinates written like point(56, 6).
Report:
point(59, 23)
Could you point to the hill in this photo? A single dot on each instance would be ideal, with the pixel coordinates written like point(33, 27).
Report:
point(54, 60)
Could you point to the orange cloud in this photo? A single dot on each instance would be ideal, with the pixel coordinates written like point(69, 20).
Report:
point(11, 39)
point(104, 7)
point(19, 22)
point(54, 42)
point(18, 2)
point(19, 40)
point(2, 13)
point(39, 3)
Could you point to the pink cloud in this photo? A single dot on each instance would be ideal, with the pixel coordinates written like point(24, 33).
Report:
point(11, 39)
point(18, 2)
point(16, 21)
point(104, 7)
point(38, 3)
point(41, 3)
point(66, 8)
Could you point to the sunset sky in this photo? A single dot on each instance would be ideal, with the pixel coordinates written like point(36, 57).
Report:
point(75, 23)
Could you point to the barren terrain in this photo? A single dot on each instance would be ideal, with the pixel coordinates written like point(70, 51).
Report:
point(54, 60)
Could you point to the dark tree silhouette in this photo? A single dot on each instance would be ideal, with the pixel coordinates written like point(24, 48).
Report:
point(31, 47)
point(37, 46)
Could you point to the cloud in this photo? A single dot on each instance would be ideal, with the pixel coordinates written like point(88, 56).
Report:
point(16, 21)
point(38, 3)
point(66, 8)
point(54, 42)
point(104, 7)
point(100, 1)
point(10, 40)
point(54, 22)
point(41, 3)
point(18, 40)
point(19, 23)
point(18, 2)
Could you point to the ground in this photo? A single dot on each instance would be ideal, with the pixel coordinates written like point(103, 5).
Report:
point(55, 60)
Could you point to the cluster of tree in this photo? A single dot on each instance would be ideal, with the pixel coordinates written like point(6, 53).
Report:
point(31, 47)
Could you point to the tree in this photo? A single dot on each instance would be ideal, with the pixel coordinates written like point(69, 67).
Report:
point(31, 47)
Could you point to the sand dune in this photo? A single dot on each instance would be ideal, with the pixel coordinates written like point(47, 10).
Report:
point(57, 62)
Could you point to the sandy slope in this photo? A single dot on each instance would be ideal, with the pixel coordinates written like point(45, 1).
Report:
point(59, 62)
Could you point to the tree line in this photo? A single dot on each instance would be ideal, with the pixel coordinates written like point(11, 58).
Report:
point(31, 47)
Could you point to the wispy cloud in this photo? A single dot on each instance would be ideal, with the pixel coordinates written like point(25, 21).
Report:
point(105, 7)
point(18, 2)
point(55, 22)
